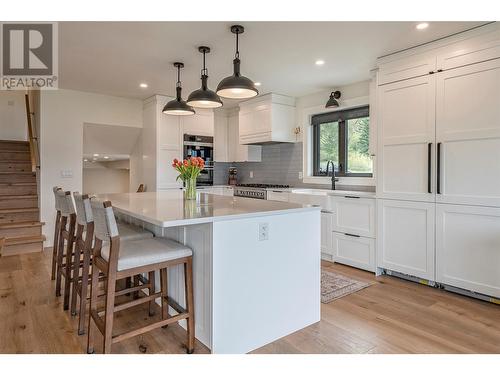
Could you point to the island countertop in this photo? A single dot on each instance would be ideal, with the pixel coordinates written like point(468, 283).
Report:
point(168, 208)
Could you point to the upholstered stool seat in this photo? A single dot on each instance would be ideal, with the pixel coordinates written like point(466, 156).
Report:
point(143, 252)
point(130, 232)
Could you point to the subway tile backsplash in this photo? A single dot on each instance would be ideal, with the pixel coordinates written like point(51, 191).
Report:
point(281, 164)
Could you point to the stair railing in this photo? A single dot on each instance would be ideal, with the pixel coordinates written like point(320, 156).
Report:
point(33, 139)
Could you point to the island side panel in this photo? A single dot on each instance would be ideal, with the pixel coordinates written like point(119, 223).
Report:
point(264, 289)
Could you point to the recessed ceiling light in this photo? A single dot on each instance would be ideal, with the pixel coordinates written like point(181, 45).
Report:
point(257, 83)
point(143, 85)
point(320, 62)
point(96, 155)
point(85, 159)
point(106, 157)
point(423, 25)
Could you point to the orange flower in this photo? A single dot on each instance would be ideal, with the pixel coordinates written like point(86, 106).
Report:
point(194, 162)
point(186, 163)
point(176, 161)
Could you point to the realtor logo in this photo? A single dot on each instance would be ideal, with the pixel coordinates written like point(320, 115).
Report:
point(29, 56)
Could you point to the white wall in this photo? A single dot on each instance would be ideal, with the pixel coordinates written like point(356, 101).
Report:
point(106, 180)
point(13, 122)
point(136, 166)
point(62, 115)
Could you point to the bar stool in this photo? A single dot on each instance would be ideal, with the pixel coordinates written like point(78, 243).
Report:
point(121, 259)
point(83, 245)
point(66, 237)
point(57, 224)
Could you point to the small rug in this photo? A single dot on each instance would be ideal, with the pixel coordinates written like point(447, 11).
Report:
point(334, 286)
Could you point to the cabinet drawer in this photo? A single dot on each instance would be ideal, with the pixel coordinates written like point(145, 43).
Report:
point(354, 251)
point(354, 215)
point(280, 196)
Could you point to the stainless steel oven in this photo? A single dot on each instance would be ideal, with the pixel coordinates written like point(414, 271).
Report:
point(203, 147)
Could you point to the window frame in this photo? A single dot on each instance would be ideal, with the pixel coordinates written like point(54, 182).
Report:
point(341, 117)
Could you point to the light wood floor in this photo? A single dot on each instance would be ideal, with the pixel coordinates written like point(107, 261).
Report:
point(392, 316)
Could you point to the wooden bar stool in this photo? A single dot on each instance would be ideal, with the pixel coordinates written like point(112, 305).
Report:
point(57, 228)
point(65, 247)
point(83, 245)
point(121, 259)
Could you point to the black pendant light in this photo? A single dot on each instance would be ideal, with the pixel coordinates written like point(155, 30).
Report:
point(203, 97)
point(237, 86)
point(178, 107)
point(332, 101)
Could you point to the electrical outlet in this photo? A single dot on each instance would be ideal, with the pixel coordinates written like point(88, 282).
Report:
point(251, 174)
point(67, 173)
point(300, 175)
point(263, 231)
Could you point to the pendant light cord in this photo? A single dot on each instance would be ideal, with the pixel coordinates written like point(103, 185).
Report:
point(178, 84)
point(237, 55)
point(204, 71)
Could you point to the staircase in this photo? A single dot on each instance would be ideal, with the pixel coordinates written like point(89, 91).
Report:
point(20, 226)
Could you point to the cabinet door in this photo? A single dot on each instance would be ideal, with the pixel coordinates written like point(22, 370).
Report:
point(326, 233)
point(468, 248)
point(354, 251)
point(281, 196)
point(409, 67)
point(468, 129)
point(406, 126)
point(354, 215)
point(202, 123)
point(228, 191)
point(405, 237)
point(221, 142)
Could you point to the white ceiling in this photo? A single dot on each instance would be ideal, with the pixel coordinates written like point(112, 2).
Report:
point(114, 57)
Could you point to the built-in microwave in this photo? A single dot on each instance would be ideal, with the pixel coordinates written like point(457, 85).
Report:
point(203, 147)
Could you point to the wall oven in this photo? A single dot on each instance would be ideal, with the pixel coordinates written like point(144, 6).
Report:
point(203, 147)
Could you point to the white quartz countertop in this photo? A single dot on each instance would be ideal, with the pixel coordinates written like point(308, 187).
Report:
point(168, 208)
point(313, 191)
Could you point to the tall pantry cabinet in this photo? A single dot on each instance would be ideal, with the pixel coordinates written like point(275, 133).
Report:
point(438, 158)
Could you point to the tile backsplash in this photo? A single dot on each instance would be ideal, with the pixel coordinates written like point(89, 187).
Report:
point(281, 164)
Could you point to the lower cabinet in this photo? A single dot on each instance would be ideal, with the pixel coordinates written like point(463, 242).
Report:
point(354, 250)
point(326, 233)
point(468, 247)
point(405, 238)
point(277, 195)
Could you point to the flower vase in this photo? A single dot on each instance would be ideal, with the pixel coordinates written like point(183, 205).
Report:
point(190, 189)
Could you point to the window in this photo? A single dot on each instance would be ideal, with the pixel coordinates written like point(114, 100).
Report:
point(343, 138)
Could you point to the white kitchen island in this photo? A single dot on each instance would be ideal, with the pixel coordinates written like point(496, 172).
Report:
point(256, 262)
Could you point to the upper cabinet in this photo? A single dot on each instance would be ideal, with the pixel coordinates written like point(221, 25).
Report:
point(266, 119)
point(236, 151)
point(409, 67)
point(201, 123)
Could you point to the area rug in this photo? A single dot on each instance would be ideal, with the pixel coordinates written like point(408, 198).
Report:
point(334, 286)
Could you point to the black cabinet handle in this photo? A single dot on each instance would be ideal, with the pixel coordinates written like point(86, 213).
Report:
point(352, 235)
point(438, 169)
point(351, 196)
point(429, 167)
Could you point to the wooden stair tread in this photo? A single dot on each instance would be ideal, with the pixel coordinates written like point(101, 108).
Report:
point(18, 183)
point(18, 172)
point(14, 141)
point(15, 210)
point(24, 240)
point(21, 224)
point(27, 196)
point(14, 151)
point(3, 161)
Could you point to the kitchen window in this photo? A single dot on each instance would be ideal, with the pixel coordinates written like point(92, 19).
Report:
point(342, 137)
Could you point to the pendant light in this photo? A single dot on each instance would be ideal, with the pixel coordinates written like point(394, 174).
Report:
point(332, 102)
point(204, 97)
point(178, 107)
point(237, 86)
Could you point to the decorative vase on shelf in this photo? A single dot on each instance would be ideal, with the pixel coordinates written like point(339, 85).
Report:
point(188, 170)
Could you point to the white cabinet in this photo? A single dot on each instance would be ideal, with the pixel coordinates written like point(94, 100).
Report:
point(267, 118)
point(468, 248)
point(353, 250)
point(221, 142)
point(405, 238)
point(468, 132)
point(326, 233)
point(216, 190)
point(354, 215)
point(201, 123)
point(228, 191)
point(237, 152)
point(405, 68)
point(406, 126)
point(277, 195)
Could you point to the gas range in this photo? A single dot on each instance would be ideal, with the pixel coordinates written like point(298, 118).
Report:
point(256, 191)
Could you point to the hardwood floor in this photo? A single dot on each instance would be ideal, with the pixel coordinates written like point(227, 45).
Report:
point(391, 316)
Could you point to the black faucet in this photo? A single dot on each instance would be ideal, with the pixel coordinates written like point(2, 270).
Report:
point(333, 173)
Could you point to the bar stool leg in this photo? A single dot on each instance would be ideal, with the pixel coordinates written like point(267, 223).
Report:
point(54, 246)
point(136, 283)
point(164, 295)
point(152, 287)
point(188, 279)
point(67, 279)
point(83, 292)
point(60, 253)
point(108, 320)
point(94, 290)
